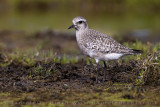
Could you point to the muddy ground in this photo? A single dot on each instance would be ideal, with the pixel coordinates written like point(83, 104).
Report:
point(49, 83)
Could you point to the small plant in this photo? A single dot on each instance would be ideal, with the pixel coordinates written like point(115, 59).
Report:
point(64, 60)
point(56, 59)
point(38, 69)
point(140, 80)
point(43, 72)
point(74, 60)
point(22, 57)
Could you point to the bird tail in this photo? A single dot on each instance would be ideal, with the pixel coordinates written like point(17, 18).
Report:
point(133, 51)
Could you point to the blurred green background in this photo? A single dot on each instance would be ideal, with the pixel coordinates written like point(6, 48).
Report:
point(104, 15)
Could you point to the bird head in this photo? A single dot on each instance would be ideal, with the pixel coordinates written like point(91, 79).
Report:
point(79, 23)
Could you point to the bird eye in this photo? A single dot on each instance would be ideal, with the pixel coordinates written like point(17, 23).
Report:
point(80, 22)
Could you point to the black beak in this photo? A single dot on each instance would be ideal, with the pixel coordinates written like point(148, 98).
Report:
point(72, 26)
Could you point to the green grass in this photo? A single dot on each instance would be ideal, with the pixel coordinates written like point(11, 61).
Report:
point(43, 72)
point(148, 63)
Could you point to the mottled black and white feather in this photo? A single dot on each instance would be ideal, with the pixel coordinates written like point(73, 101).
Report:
point(98, 45)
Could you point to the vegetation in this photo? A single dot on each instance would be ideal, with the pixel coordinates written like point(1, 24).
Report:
point(140, 90)
point(43, 67)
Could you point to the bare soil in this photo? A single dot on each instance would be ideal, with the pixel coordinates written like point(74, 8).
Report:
point(70, 83)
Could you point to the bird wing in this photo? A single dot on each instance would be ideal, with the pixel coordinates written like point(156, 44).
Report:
point(100, 42)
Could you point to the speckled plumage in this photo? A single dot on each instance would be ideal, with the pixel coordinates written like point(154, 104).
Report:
point(98, 45)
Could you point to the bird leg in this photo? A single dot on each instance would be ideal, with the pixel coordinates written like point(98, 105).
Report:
point(97, 72)
point(104, 75)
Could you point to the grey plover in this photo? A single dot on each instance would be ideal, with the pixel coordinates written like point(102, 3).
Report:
point(98, 45)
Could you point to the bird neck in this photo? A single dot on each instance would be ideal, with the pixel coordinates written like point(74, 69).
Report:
point(82, 29)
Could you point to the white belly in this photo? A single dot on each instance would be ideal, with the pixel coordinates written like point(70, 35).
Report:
point(112, 56)
point(105, 57)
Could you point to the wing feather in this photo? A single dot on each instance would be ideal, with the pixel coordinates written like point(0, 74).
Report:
point(100, 42)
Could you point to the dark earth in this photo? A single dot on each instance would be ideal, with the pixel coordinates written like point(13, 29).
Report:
point(56, 83)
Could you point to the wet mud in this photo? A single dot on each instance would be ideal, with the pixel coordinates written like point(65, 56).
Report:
point(66, 83)
point(56, 83)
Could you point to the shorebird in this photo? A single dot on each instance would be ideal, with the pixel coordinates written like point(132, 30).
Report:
point(97, 45)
